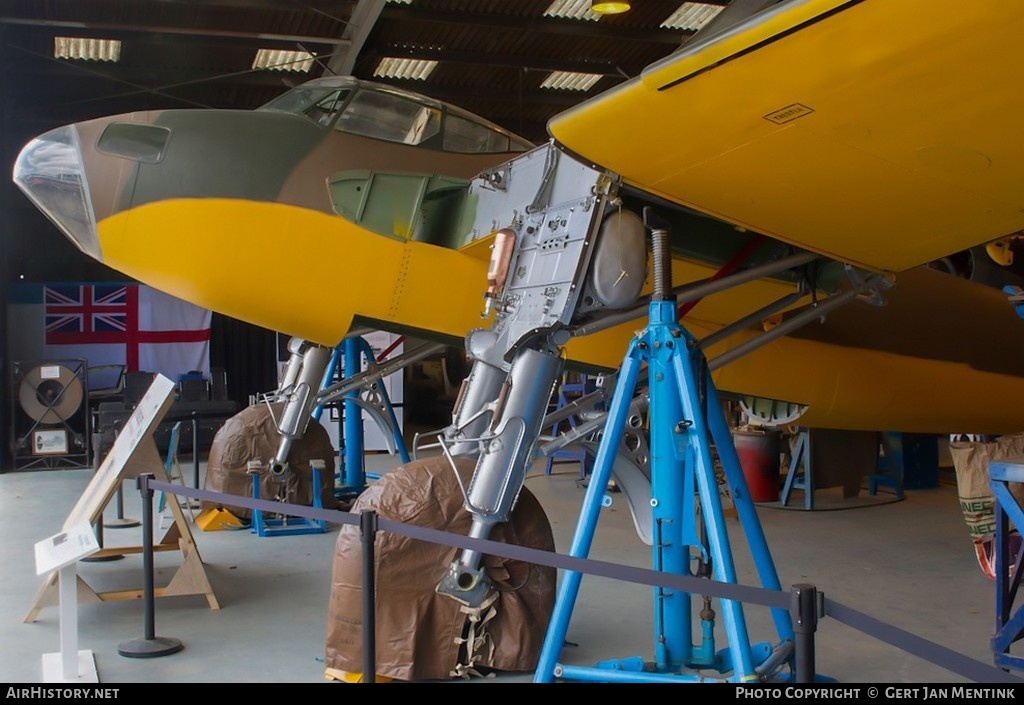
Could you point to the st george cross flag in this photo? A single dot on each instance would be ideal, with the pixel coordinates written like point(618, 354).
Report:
point(130, 324)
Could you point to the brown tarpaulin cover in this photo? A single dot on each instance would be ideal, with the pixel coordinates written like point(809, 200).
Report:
point(252, 435)
point(416, 628)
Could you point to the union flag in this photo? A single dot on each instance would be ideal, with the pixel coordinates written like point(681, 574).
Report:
point(75, 312)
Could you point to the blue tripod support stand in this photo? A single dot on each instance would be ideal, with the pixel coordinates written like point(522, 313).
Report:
point(686, 417)
point(351, 473)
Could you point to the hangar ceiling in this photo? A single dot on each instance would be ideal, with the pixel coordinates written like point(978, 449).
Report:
point(492, 58)
point(492, 54)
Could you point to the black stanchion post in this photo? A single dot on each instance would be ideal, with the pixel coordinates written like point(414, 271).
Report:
point(151, 645)
point(368, 535)
point(803, 606)
point(195, 448)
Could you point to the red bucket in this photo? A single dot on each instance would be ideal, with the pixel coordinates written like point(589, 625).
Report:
point(758, 451)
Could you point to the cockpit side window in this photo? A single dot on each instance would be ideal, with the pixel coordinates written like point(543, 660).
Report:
point(462, 135)
point(389, 117)
point(465, 133)
point(319, 104)
point(372, 111)
point(323, 111)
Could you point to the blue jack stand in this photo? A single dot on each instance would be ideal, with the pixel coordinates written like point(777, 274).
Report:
point(684, 407)
point(353, 468)
point(351, 477)
point(1009, 518)
point(890, 466)
point(286, 525)
point(1009, 612)
point(800, 475)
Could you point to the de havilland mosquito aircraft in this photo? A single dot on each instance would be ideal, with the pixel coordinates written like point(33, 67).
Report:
point(785, 184)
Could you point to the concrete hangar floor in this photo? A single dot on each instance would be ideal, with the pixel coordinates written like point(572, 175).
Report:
point(909, 564)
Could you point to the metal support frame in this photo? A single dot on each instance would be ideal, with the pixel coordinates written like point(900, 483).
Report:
point(890, 466)
point(289, 525)
point(867, 287)
point(351, 472)
point(1009, 621)
point(76, 453)
point(800, 457)
point(686, 419)
point(353, 475)
point(579, 431)
point(701, 289)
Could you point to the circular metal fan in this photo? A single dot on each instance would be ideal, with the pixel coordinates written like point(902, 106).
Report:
point(50, 394)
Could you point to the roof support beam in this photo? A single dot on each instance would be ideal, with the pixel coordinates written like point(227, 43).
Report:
point(193, 31)
point(361, 23)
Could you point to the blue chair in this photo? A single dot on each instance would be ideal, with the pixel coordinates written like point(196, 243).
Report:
point(570, 390)
point(171, 466)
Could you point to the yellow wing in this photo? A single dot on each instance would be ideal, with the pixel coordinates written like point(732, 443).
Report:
point(884, 133)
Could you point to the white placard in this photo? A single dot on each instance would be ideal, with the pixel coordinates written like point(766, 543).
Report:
point(50, 442)
point(49, 372)
point(65, 548)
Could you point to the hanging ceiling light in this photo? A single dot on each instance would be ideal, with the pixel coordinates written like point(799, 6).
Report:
point(609, 7)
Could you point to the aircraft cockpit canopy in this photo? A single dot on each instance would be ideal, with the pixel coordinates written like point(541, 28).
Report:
point(382, 112)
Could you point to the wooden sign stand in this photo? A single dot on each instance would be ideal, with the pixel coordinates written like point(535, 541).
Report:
point(134, 453)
